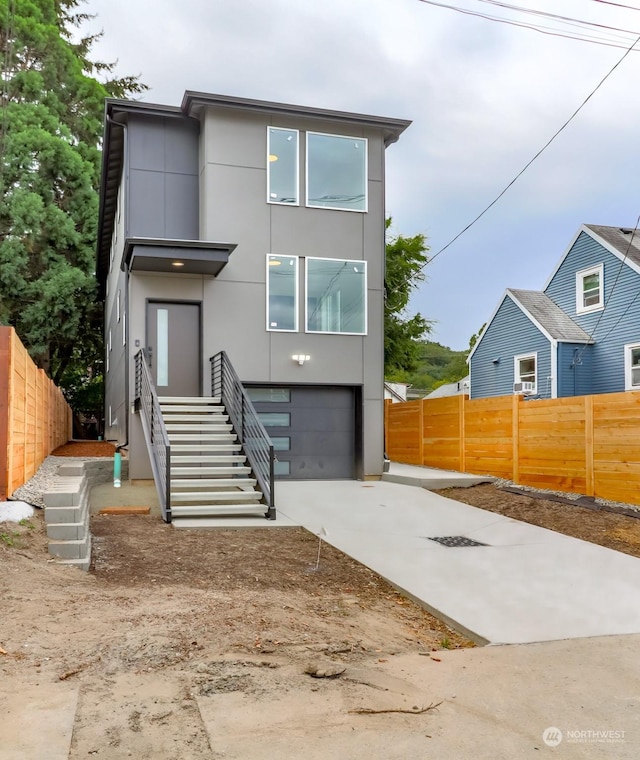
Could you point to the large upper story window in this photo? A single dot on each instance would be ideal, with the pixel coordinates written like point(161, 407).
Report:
point(336, 172)
point(589, 289)
point(282, 161)
point(632, 367)
point(282, 293)
point(336, 296)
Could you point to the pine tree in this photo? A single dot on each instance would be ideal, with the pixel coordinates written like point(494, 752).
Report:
point(50, 129)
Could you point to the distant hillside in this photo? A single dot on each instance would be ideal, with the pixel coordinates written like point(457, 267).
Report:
point(438, 365)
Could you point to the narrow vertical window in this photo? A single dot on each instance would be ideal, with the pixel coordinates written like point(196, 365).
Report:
point(589, 289)
point(632, 367)
point(282, 293)
point(282, 166)
point(162, 348)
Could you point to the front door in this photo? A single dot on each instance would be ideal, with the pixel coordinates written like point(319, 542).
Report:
point(174, 347)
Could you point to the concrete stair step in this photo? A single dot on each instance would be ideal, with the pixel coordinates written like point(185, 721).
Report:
point(216, 496)
point(190, 400)
point(212, 418)
point(202, 437)
point(206, 483)
point(216, 510)
point(202, 447)
point(220, 470)
point(203, 427)
point(208, 459)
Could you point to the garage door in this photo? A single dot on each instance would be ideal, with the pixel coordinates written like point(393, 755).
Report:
point(312, 428)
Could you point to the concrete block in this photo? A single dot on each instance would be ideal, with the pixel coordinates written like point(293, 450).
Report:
point(74, 469)
point(67, 531)
point(63, 514)
point(70, 549)
point(66, 492)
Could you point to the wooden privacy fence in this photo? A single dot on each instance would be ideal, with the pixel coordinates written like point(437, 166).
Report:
point(34, 416)
point(585, 444)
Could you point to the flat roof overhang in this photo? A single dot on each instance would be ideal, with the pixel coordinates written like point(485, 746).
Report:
point(176, 256)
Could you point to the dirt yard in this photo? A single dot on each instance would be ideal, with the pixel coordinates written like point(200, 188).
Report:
point(167, 621)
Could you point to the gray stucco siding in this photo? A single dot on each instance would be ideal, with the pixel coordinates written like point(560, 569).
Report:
point(612, 328)
point(510, 334)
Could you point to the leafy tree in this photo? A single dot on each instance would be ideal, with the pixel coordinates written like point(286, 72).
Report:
point(50, 130)
point(405, 260)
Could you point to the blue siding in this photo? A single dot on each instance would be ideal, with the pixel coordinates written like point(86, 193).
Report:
point(615, 328)
point(510, 334)
point(575, 369)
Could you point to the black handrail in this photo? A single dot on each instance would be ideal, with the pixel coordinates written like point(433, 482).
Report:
point(255, 440)
point(155, 433)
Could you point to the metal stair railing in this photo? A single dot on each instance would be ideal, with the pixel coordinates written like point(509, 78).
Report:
point(155, 432)
point(256, 444)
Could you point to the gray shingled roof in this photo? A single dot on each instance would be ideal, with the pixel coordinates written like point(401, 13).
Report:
point(559, 325)
point(620, 238)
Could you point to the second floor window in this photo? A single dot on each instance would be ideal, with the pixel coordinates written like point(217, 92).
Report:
point(282, 293)
point(282, 166)
point(589, 290)
point(336, 172)
point(336, 293)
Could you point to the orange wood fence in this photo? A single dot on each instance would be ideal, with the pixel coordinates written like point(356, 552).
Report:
point(585, 444)
point(34, 416)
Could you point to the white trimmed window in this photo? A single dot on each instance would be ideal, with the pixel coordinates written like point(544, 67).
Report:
point(336, 172)
point(525, 370)
point(282, 293)
point(282, 163)
point(590, 289)
point(336, 296)
point(632, 367)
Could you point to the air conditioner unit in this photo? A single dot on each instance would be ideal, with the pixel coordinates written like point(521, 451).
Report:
point(524, 388)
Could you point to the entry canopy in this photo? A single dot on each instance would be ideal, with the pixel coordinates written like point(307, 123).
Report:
point(176, 256)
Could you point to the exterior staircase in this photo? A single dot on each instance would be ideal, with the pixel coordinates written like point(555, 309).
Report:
point(208, 472)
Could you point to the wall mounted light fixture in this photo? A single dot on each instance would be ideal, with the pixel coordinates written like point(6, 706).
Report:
point(301, 358)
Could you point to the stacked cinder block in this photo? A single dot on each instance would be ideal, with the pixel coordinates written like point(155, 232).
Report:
point(66, 513)
point(66, 509)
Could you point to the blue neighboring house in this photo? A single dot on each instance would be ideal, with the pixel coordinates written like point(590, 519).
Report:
point(580, 335)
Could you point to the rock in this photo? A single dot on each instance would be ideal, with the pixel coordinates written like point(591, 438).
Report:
point(321, 669)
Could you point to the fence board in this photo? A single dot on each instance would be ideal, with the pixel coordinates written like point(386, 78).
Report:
point(34, 416)
point(583, 444)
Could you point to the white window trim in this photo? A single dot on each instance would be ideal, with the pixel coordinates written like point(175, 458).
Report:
point(516, 368)
point(296, 294)
point(628, 385)
point(580, 276)
point(306, 297)
point(365, 140)
point(297, 138)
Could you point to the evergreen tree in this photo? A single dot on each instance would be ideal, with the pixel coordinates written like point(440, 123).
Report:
point(405, 261)
point(50, 130)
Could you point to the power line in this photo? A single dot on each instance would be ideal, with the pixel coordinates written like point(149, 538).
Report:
point(537, 155)
point(552, 31)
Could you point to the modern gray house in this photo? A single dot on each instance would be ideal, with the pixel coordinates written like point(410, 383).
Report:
point(241, 260)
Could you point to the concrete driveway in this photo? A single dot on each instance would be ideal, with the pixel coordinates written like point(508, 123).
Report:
point(527, 584)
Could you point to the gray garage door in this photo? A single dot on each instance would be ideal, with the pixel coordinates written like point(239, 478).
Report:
point(312, 428)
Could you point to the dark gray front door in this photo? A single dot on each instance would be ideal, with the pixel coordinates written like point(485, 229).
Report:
point(173, 347)
point(312, 428)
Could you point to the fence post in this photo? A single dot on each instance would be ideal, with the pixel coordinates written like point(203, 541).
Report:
point(588, 446)
point(421, 431)
point(461, 433)
point(5, 407)
point(515, 438)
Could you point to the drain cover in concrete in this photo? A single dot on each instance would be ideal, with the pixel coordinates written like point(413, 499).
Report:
point(453, 541)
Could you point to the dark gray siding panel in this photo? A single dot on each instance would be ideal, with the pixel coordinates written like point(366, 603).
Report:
point(146, 204)
point(620, 322)
point(181, 204)
point(163, 178)
point(510, 334)
point(575, 369)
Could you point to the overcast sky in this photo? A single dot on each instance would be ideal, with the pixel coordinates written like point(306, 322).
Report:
point(484, 97)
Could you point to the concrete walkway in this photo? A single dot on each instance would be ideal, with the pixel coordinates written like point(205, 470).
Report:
point(526, 585)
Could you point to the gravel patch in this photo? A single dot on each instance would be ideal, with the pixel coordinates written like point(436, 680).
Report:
point(504, 483)
point(31, 492)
